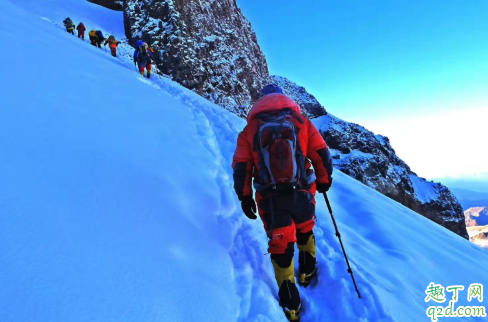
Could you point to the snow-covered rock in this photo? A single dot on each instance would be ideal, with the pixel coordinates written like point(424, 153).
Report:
point(310, 106)
point(371, 159)
point(207, 46)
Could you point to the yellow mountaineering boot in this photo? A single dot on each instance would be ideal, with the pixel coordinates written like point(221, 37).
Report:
point(306, 258)
point(288, 292)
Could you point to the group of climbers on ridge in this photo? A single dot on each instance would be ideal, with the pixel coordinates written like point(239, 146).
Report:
point(96, 36)
point(143, 54)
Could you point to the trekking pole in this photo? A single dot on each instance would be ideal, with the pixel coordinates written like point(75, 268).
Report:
point(338, 234)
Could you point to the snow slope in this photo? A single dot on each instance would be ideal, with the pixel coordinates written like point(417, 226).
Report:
point(116, 202)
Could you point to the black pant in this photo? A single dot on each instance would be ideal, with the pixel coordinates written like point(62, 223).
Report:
point(283, 208)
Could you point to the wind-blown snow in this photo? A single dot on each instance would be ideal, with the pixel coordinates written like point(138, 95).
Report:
point(116, 202)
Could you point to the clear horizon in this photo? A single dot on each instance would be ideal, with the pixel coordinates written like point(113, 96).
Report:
point(415, 72)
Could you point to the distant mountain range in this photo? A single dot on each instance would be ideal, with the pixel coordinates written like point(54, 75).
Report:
point(476, 216)
point(470, 198)
point(477, 225)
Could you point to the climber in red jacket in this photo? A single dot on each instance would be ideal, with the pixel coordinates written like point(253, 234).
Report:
point(276, 150)
point(81, 31)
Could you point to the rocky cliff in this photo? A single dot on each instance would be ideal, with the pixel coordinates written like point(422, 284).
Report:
point(205, 45)
point(370, 158)
point(308, 103)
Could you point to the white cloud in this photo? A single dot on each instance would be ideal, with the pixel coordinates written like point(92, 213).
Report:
point(450, 144)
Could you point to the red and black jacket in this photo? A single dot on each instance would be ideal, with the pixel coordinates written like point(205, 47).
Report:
point(246, 157)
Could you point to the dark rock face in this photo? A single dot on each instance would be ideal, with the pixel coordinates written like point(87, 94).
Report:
point(111, 4)
point(370, 159)
point(207, 46)
point(308, 103)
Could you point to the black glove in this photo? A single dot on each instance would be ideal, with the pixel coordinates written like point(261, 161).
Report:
point(249, 207)
point(324, 187)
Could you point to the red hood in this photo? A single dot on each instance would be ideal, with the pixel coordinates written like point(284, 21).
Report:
point(270, 103)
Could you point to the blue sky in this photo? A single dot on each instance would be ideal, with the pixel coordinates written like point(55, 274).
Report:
point(388, 65)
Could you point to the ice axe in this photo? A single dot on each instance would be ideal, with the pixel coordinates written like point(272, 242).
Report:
point(338, 234)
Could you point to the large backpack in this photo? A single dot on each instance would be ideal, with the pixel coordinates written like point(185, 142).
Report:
point(281, 162)
point(93, 34)
point(68, 23)
point(144, 56)
point(143, 51)
point(112, 39)
point(100, 35)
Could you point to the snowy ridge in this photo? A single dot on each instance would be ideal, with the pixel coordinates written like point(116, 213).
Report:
point(370, 159)
point(424, 191)
point(116, 202)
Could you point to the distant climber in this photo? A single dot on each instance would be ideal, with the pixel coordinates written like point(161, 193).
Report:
point(112, 43)
point(143, 57)
point(93, 37)
point(70, 26)
point(96, 38)
point(276, 149)
point(81, 31)
point(100, 38)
